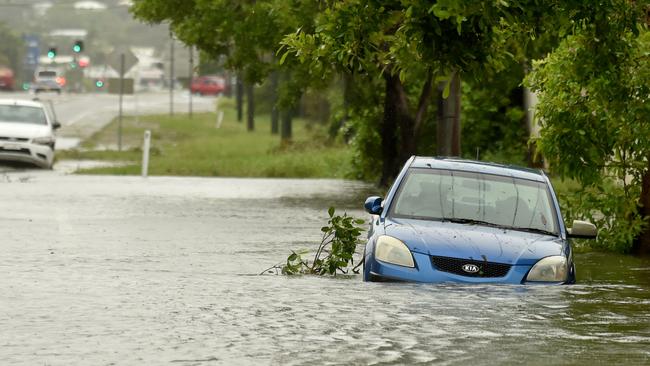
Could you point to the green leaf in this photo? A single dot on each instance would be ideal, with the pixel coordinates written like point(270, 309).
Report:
point(330, 211)
point(447, 89)
point(284, 56)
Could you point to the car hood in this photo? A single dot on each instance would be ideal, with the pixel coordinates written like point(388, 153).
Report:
point(473, 241)
point(24, 130)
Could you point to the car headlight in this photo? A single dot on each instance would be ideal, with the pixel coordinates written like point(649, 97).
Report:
point(391, 250)
point(549, 269)
point(45, 140)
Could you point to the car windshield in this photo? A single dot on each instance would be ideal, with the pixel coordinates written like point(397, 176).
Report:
point(475, 198)
point(22, 114)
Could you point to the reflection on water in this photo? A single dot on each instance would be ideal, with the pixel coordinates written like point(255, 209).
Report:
point(100, 270)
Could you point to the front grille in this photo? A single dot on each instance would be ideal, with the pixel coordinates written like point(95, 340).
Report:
point(455, 266)
point(17, 139)
point(21, 151)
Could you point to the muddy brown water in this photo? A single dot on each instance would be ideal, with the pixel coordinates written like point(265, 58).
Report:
point(131, 271)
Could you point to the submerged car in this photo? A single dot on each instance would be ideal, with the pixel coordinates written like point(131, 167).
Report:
point(453, 220)
point(27, 132)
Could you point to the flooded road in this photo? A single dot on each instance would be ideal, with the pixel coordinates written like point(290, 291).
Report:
point(130, 271)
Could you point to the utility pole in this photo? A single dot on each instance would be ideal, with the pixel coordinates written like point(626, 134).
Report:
point(119, 125)
point(171, 76)
point(189, 87)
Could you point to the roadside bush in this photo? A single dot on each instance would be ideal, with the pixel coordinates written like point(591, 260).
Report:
point(607, 206)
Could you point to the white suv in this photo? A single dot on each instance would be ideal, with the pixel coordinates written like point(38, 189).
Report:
point(27, 132)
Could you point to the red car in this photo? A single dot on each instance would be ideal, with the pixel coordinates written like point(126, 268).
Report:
point(6, 79)
point(208, 85)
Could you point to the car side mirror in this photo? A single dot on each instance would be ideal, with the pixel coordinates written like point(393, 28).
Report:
point(373, 205)
point(583, 230)
point(56, 125)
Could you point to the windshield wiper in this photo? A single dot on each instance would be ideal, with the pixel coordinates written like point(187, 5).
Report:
point(533, 230)
point(472, 222)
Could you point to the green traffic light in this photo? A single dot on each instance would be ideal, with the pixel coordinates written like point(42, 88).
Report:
point(78, 46)
point(99, 83)
point(51, 54)
point(25, 86)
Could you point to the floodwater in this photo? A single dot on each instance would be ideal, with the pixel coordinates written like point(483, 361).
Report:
point(132, 271)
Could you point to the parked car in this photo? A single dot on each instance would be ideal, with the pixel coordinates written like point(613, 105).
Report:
point(452, 220)
point(208, 85)
point(27, 132)
point(6, 79)
point(48, 80)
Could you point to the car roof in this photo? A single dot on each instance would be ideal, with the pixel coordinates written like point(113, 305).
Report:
point(21, 102)
point(478, 167)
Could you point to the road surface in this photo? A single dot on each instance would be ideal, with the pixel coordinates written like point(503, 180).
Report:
point(81, 115)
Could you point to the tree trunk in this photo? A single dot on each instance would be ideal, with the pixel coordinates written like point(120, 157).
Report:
point(389, 133)
point(250, 107)
point(406, 123)
point(239, 96)
point(285, 130)
point(275, 112)
point(448, 129)
point(397, 115)
point(642, 243)
point(229, 85)
point(533, 157)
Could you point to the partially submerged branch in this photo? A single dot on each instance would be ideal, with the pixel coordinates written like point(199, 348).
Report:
point(334, 253)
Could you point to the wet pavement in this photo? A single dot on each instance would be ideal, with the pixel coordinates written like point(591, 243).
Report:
point(81, 115)
point(102, 270)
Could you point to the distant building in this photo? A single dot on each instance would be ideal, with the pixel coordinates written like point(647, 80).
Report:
point(148, 73)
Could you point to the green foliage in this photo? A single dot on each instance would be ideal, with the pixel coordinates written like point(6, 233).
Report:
point(494, 120)
point(594, 108)
point(334, 253)
point(611, 209)
point(11, 50)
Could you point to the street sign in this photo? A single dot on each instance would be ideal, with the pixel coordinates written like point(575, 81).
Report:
point(33, 51)
point(129, 58)
point(114, 86)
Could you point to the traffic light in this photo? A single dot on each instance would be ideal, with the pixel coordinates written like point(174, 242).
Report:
point(51, 53)
point(99, 83)
point(78, 47)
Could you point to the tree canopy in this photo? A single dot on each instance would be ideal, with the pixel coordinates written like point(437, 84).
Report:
point(395, 57)
point(594, 94)
point(11, 49)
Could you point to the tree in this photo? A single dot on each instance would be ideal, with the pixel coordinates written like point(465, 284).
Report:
point(409, 45)
point(245, 33)
point(11, 50)
point(594, 108)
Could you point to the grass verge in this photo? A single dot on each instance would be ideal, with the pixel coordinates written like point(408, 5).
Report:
point(196, 147)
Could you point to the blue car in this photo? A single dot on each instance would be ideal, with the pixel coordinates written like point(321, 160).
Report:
point(453, 220)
